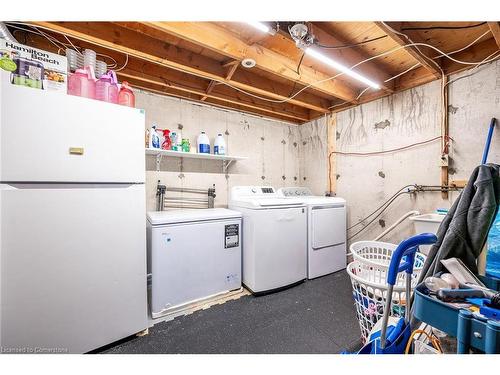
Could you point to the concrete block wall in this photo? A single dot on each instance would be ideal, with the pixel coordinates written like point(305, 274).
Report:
point(272, 148)
point(404, 118)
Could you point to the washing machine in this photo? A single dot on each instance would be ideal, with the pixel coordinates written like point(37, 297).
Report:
point(193, 254)
point(326, 231)
point(274, 238)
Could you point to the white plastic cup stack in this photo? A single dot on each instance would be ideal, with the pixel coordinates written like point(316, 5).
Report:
point(72, 57)
point(89, 59)
point(100, 68)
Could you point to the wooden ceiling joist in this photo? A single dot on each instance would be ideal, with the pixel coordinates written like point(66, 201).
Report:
point(201, 61)
point(232, 66)
point(180, 60)
point(169, 91)
point(388, 27)
point(216, 38)
point(292, 115)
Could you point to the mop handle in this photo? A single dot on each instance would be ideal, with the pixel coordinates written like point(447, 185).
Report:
point(488, 140)
point(407, 247)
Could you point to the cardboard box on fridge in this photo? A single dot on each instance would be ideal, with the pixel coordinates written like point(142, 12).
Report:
point(32, 67)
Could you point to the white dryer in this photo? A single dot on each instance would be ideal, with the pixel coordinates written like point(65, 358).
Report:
point(326, 231)
point(274, 238)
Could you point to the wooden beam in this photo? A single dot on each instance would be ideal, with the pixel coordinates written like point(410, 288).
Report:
point(251, 77)
point(177, 59)
point(218, 39)
point(189, 86)
point(232, 70)
point(412, 51)
point(134, 76)
point(495, 30)
point(421, 75)
point(210, 87)
point(195, 98)
point(332, 156)
point(233, 65)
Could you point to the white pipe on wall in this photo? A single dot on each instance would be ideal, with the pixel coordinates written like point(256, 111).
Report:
point(399, 221)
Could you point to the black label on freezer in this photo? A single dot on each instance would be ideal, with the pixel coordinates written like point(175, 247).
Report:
point(232, 236)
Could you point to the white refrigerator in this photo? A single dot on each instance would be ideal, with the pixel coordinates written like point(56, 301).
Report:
point(72, 222)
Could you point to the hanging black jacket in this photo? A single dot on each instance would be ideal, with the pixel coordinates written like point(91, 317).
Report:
point(465, 228)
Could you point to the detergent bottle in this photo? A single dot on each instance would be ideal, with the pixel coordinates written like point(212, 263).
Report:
point(106, 88)
point(219, 145)
point(126, 96)
point(203, 144)
point(154, 139)
point(167, 143)
point(82, 83)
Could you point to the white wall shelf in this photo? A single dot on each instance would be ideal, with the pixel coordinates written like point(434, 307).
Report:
point(226, 159)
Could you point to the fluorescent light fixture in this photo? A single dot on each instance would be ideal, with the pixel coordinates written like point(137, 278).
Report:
point(259, 26)
point(328, 61)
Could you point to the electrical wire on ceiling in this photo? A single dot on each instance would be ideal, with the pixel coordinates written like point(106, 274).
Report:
point(124, 65)
point(467, 46)
point(352, 67)
point(438, 56)
point(59, 44)
point(395, 49)
point(475, 69)
point(316, 43)
point(300, 62)
point(443, 27)
point(56, 43)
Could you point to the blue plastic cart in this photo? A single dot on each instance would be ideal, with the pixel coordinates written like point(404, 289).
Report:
point(471, 330)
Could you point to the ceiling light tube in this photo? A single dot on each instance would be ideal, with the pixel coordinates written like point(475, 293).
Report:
point(259, 26)
point(337, 66)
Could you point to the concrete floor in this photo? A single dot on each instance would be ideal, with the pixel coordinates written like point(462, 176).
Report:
point(317, 316)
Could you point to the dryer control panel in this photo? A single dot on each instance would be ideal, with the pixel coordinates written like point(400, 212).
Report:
point(295, 192)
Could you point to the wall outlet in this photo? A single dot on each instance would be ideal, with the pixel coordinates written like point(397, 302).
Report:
point(444, 160)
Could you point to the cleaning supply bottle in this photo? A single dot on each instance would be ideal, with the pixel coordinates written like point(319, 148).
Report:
point(126, 96)
point(178, 141)
point(82, 83)
point(173, 141)
point(219, 145)
point(106, 88)
point(166, 144)
point(203, 144)
point(154, 139)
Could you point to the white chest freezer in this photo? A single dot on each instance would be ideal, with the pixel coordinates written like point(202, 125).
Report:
point(192, 255)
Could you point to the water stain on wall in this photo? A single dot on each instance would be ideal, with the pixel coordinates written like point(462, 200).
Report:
point(413, 103)
point(354, 132)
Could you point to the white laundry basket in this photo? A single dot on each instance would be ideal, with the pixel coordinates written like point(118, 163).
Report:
point(368, 274)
